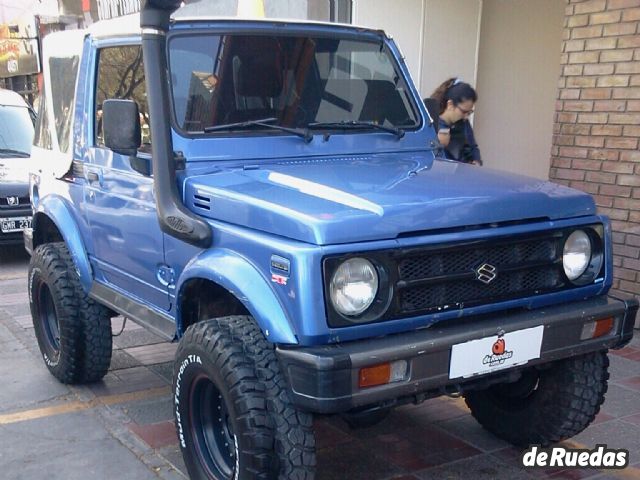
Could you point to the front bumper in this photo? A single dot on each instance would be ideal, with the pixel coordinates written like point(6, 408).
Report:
point(324, 379)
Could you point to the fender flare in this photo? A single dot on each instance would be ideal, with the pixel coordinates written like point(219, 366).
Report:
point(238, 276)
point(58, 212)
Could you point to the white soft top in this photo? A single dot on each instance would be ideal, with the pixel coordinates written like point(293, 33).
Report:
point(129, 25)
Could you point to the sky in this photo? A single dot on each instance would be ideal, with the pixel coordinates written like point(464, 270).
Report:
point(11, 10)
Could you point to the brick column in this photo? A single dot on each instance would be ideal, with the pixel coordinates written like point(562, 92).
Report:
point(597, 121)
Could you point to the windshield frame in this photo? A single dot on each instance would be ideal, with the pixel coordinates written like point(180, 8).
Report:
point(194, 28)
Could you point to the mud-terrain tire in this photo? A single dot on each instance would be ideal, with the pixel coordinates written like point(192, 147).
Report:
point(547, 406)
point(233, 414)
point(73, 331)
point(358, 420)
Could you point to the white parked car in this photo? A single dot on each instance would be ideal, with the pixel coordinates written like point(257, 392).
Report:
point(16, 137)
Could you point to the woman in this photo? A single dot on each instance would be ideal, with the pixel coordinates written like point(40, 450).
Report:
point(454, 101)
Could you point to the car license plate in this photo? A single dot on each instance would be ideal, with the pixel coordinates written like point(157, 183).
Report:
point(489, 354)
point(15, 224)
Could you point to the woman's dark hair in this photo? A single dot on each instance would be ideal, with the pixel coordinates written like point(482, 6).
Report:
point(455, 90)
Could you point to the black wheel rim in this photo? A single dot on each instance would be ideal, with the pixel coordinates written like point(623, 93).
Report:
point(48, 319)
point(211, 429)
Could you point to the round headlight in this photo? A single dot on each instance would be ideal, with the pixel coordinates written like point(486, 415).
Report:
point(576, 255)
point(354, 286)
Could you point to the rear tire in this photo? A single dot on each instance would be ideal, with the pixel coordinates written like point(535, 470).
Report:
point(233, 414)
point(546, 406)
point(73, 331)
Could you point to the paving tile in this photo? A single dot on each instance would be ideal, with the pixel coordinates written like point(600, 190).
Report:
point(165, 370)
point(482, 467)
point(18, 285)
point(5, 334)
point(633, 383)
point(118, 322)
point(17, 309)
point(353, 461)
point(634, 419)
point(135, 337)
point(121, 360)
point(25, 321)
point(150, 410)
point(620, 401)
point(468, 429)
point(623, 352)
point(634, 356)
point(127, 380)
point(327, 435)
point(440, 409)
point(155, 353)
point(156, 435)
point(66, 447)
point(420, 447)
point(403, 477)
point(575, 473)
point(620, 367)
point(32, 387)
point(173, 455)
point(614, 434)
point(9, 299)
point(602, 417)
point(509, 454)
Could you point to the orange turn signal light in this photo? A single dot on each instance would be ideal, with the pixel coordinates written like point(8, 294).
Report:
point(383, 373)
point(597, 328)
point(603, 326)
point(376, 375)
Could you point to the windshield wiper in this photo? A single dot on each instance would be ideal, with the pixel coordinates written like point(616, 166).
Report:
point(10, 151)
point(346, 124)
point(263, 122)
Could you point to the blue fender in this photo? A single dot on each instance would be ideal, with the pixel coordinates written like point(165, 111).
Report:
point(234, 273)
point(56, 209)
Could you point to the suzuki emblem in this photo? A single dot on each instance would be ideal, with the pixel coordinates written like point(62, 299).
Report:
point(486, 273)
point(13, 200)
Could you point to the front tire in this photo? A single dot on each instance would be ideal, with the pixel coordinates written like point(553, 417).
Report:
point(233, 415)
point(545, 406)
point(73, 331)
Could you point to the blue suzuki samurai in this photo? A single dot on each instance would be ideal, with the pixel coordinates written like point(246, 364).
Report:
point(269, 195)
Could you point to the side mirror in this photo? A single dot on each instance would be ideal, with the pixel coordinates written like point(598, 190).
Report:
point(121, 126)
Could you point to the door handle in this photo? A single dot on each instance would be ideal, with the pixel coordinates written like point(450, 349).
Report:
point(93, 176)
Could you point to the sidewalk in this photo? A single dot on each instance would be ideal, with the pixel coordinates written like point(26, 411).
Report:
point(122, 427)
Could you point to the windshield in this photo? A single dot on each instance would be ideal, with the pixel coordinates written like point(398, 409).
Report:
point(220, 80)
point(16, 131)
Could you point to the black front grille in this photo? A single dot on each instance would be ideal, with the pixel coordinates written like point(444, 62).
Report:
point(439, 280)
point(10, 202)
point(463, 260)
point(451, 277)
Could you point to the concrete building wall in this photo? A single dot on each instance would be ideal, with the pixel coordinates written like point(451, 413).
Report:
point(518, 69)
point(450, 45)
point(405, 25)
point(597, 120)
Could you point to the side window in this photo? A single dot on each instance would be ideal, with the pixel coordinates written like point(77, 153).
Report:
point(121, 76)
point(42, 137)
point(63, 71)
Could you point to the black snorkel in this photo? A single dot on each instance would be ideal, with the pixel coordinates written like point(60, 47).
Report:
point(174, 218)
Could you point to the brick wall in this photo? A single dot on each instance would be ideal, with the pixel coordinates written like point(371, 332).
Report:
point(597, 121)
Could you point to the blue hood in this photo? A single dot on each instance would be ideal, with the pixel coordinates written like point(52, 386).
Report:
point(352, 199)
